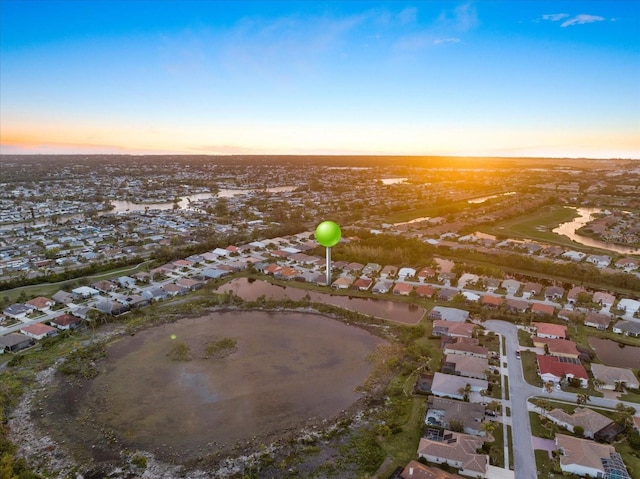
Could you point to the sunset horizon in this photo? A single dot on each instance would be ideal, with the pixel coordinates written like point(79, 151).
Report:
point(543, 79)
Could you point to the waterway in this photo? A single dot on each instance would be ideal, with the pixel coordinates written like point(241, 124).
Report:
point(485, 198)
point(569, 228)
point(384, 309)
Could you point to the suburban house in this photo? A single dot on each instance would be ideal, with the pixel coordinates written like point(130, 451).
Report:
point(446, 294)
point(531, 289)
point(371, 269)
point(446, 278)
point(511, 285)
point(611, 377)
point(471, 297)
point(568, 315)
point(584, 457)
point(628, 264)
point(492, 301)
point(66, 321)
point(17, 311)
point(550, 330)
point(84, 292)
point(114, 308)
point(629, 306)
point(417, 470)
point(62, 297)
point(406, 273)
point(601, 261)
point(173, 289)
point(452, 329)
point(41, 303)
point(441, 412)
point(14, 342)
point(604, 299)
point(403, 289)
point(491, 284)
point(553, 293)
point(542, 309)
point(562, 348)
point(190, 283)
point(425, 291)
point(425, 273)
point(389, 272)
point(590, 421)
point(449, 314)
point(447, 385)
point(343, 282)
point(466, 347)
point(553, 369)
point(517, 305)
point(628, 328)
point(104, 286)
point(363, 284)
point(382, 287)
point(455, 449)
point(38, 331)
point(597, 320)
point(353, 267)
point(572, 295)
point(466, 366)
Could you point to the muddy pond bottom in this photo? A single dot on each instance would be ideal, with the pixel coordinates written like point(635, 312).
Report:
point(286, 371)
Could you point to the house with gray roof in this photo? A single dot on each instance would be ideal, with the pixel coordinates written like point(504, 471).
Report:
point(628, 328)
point(442, 412)
point(590, 421)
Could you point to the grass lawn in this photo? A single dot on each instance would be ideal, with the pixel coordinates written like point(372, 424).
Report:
point(506, 387)
point(498, 445)
point(530, 368)
point(543, 464)
point(402, 447)
point(631, 396)
point(630, 457)
point(539, 430)
point(510, 439)
point(524, 338)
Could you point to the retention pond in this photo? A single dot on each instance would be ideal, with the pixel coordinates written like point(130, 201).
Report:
point(287, 371)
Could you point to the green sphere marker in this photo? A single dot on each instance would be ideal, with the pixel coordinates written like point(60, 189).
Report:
point(173, 336)
point(328, 234)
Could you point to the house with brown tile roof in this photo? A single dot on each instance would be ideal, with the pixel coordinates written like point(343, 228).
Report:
point(455, 449)
point(66, 322)
point(425, 291)
point(389, 272)
point(572, 295)
point(584, 457)
point(540, 308)
point(466, 347)
point(467, 366)
point(38, 331)
point(452, 329)
point(343, 282)
point(425, 273)
point(562, 348)
point(403, 289)
point(41, 303)
point(550, 330)
point(597, 320)
point(491, 301)
point(531, 289)
point(590, 421)
point(363, 284)
point(552, 293)
point(604, 299)
point(517, 305)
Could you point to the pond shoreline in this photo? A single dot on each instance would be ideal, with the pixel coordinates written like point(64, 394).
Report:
point(45, 452)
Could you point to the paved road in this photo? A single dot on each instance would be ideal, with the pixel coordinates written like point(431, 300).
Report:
point(523, 456)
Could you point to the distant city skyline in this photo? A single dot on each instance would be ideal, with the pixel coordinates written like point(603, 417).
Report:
point(499, 78)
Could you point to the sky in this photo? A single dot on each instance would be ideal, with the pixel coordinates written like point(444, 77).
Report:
point(471, 78)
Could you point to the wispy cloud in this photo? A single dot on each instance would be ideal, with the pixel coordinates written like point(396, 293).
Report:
point(439, 41)
point(555, 17)
point(408, 15)
point(580, 19)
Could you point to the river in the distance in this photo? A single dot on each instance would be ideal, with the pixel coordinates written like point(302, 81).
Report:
point(585, 215)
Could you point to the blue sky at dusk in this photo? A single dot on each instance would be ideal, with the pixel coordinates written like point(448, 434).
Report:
point(505, 78)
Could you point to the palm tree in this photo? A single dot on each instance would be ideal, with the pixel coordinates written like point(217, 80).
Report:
point(582, 398)
point(624, 415)
point(465, 391)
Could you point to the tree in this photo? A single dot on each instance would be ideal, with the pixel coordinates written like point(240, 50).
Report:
point(624, 415)
point(456, 425)
point(465, 391)
point(582, 398)
point(578, 430)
